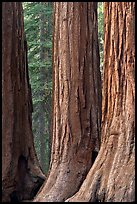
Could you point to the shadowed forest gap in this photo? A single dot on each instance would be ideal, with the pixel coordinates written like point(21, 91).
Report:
point(101, 34)
point(38, 28)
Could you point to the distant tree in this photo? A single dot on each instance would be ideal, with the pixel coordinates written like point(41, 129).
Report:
point(38, 28)
point(112, 176)
point(21, 173)
point(76, 99)
point(101, 33)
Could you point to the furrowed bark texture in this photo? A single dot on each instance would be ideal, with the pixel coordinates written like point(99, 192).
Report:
point(21, 174)
point(76, 99)
point(112, 176)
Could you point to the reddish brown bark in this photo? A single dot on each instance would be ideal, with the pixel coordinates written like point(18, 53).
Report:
point(112, 176)
point(76, 99)
point(21, 174)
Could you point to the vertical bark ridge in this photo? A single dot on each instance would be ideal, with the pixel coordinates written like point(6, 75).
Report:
point(77, 106)
point(17, 139)
point(112, 176)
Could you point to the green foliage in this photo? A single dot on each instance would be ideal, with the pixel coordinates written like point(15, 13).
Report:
point(40, 68)
point(101, 32)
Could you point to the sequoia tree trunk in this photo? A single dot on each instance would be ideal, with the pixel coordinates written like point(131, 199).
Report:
point(112, 177)
point(76, 99)
point(21, 174)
